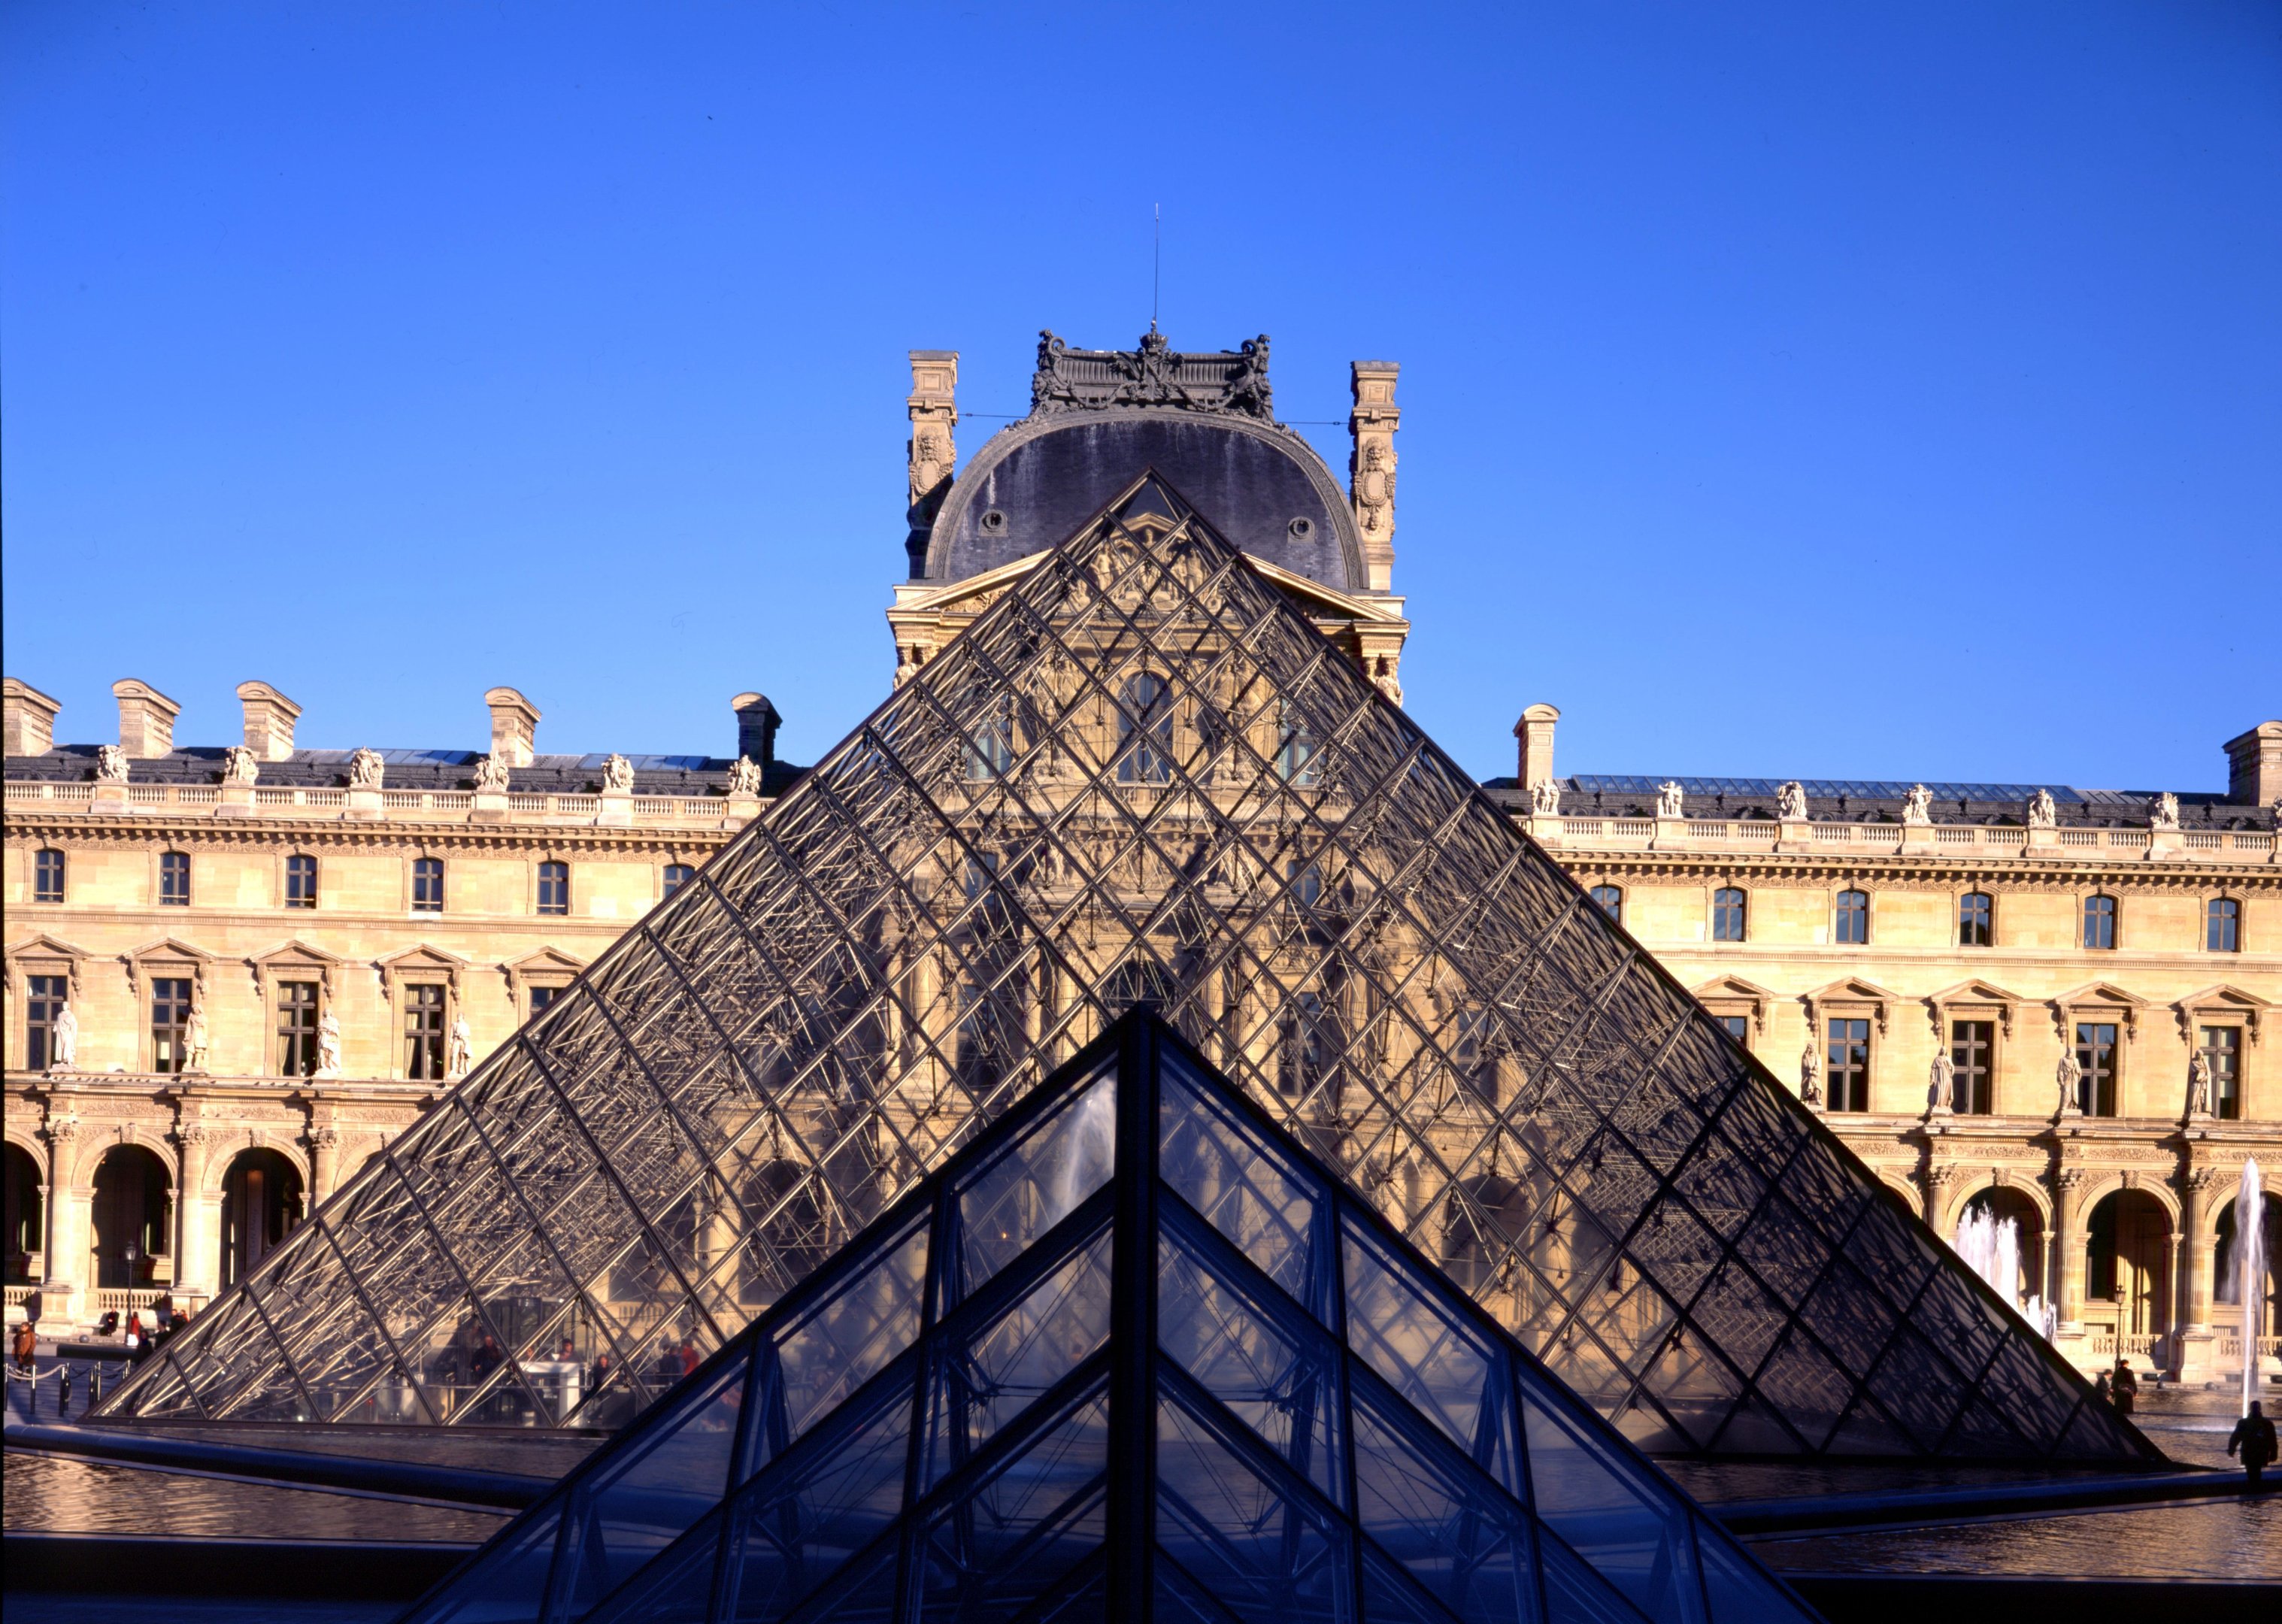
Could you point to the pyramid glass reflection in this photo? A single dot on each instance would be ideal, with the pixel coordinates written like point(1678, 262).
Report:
point(1142, 778)
point(1132, 1342)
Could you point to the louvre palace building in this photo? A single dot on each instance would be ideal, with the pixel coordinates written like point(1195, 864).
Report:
point(370, 1058)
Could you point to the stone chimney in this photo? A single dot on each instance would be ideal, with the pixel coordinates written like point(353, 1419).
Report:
point(31, 729)
point(514, 726)
point(1371, 467)
point(146, 719)
point(756, 729)
point(1535, 731)
point(932, 453)
point(270, 718)
point(2254, 764)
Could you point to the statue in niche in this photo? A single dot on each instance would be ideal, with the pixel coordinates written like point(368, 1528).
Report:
point(1669, 796)
point(2199, 1084)
point(1810, 1072)
point(459, 1049)
point(1545, 799)
point(1791, 802)
point(744, 776)
point(2069, 1075)
point(2044, 812)
point(63, 1041)
point(328, 1045)
point(240, 766)
point(366, 770)
point(194, 1039)
point(491, 774)
point(1941, 1084)
point(110, 765)
point(907, 663)
point(2167, 811)
point(617, 775)
point(1917, 806)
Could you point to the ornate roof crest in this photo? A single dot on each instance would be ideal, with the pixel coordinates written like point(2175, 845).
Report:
point(1153, 374)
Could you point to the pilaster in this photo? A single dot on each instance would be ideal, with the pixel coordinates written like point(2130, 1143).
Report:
point(1371, 466)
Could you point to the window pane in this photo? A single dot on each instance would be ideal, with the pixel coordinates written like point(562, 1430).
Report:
point(2096, 1058)
point(424, 1033)
point(44, 998)
point(1739, 1028)
point(2099, 921)
point(1610, 900)
point(1853, 917)
point(1975, 916)
point(555, 888)
point(677, 875)
point(175, 879)
point(47, 883)
point(1972, 1051)
point(300, 881)
point(2223, 928)
point(296, 1028)
point(1726, 915)
point(2222, 1048)
point(428, 885)
point(170, 1014)
point(1848, 1048)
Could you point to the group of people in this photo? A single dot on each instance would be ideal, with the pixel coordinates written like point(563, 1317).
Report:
point(2253, 1438)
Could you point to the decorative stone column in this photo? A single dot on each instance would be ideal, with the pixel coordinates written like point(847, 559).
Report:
point(324, 1163)
point(1938, 1176)
point(198, 1230)
point(1371, 467)
point(2068, 1258)
point(2197, 1344)
point(70, 1209)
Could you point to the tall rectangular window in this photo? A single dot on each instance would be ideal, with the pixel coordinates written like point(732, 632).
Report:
point(677, 875)
point(990, 741)
point(1847, 1047)
point(1976, 920)
point(1470, 1054)
point(1144, 731)
point(1973, 1051)
point(2223, 926)
point(1851, 924)
point(428, 885)
point(1302, 1051)
point(1296, 751)
point(170, 1014)
point(300, 881)
point(2095, 1054)
point(542, 999)
point(1610, 900)
point(296, 1028)
point(2222, 1048)
point(175, 879)
point(424, 1032)
point(44, 998)
point(47, 876)
point(2099, 921)
point(1739, 1028)
point(1728, 915)
point(1306, 883)
point(555, 888)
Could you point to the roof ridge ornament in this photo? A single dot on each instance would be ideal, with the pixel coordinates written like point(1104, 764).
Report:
point(1153, 374)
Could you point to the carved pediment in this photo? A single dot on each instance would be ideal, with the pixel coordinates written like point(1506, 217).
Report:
point(2096, 998)
point(1853, 991)
point(293, 955)
point(1971, 993)
point(1735, 990)
point(546, 960)
point(45, 947)
point(419, 962)
point(163, 956)
point(2223, 999)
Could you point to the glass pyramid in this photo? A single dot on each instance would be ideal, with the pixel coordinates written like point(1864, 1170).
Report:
point(1141, 779)
point(1131, 1342)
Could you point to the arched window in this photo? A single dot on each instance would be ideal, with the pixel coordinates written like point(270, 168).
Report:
point(990, 741)
point(175, 879)
point(261, 1205)
point(1610, 900)
point(2222, 925)
point(47, 876)
point(1144, 731)
point(1976, 920)
point(1297, 753)
point(428, 885)
point(301, 882)
point(129, 1215)
point(2099, 921)
point(2227, 1264)
point(677, 875)
point(1851, 924)
point(27, 1230)
point(554, 889)
point(1728, 915)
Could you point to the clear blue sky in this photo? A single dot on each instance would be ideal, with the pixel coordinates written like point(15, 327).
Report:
point(1857, 390)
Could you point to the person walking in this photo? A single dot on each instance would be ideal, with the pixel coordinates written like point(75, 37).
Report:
point(26, 1345)
point(689, 1359)
point(2125, 1388)
point(2254, 1436)
point(2099, 1390)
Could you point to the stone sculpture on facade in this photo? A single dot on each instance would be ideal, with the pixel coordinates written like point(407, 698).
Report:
point(932, 460)
point(328, 1045)
point(240, 766)
point(195, 1039)
point(366, 770)
point(1545, 799)
point(63, 1041)
point(1809, 1073)
point(617, 775)
point(110, 765)
point(2044, 812)
point(1669, 796)
point(1791, 802)
point(1153, 374)
point(1374, 487)
point(459, 1049)
point(2069, 1076)
point(2199, 1086)
point(491, 774)
point(2167, 811)
point(1941, 1084)
point(1917, 806)
point(744, 776)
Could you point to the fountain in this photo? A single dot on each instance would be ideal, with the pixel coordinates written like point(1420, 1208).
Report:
point(2250, 1272)
point(1991, 1248)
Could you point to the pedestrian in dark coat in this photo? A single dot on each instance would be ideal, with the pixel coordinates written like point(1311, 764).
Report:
point(2254, 1436)
point(2126, 1388)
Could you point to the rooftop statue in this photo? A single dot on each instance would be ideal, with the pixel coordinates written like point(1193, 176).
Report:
point(1152, 375)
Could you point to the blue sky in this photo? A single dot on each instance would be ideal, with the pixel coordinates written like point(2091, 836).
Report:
point(1884, 391)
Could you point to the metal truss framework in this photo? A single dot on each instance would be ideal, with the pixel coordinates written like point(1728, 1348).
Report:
point(1140, 779)
point(1131, 1353)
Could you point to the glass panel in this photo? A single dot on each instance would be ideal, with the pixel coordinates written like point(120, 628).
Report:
point(1465, 1542)
point(1014, 1538)
point(1428, 1354)
point(1263, 1365)
point(1612, 1510)
point(674, 1588)
point(1039, 1182)
point(796, 1524)
point(508, 1583)
point(1262, 1554)
point(1011, 1362)
point(841, 1342)
point(1252, 1195)
point(1739, 1591)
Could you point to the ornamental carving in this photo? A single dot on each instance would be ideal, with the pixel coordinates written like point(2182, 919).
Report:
point(1917, 806)
point(1153, 374)
point(1791, 802)
point(2042, 810)
point(110, 765)
point(240, 766)
point(491, 774)
point(366, 770)
point(617, 775)
point(2167, 811)
point(744, 776)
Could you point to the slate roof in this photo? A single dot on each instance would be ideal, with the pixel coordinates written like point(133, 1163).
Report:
point(1622, 794)
point(409, 769)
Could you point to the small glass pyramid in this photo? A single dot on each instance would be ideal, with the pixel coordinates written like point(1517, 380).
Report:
point(1141, 779)
point(1133, 1343)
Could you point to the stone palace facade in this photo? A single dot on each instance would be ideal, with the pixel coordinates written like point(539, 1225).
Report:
point(234, 971)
